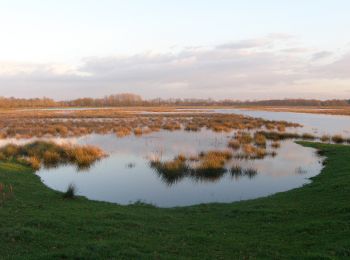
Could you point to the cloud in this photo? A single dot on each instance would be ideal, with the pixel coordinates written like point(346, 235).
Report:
point(321, 55)
point(245, 69)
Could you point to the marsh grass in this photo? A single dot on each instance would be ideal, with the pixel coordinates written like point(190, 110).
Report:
point(244, 137)
point(325, 138)
point(122, 123)
point(207, 166)
point(277, 136)
point(6, 193)
point(234, 144)
point(51, 154)
point(260, 140)
point(70, 192)
point(338, 139)
point(138, 131)
point(308, 136)
point(122, 131)
point(275, 144)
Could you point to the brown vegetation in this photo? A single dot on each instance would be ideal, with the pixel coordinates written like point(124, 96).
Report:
point(30, 123)
point(50, 154)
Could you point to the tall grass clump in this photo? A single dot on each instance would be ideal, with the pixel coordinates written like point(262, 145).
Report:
point(276, 136)
point(325, 138)
point(276, 145)
point(234, 144)
point(51, 154)
point(70, 192)
point(244, 137)
point(6, 192)
point(171, 171)
point(338, 139)
point(213, 162)
point(308, 136)
point(260, 140)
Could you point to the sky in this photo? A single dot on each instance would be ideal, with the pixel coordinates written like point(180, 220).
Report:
point(252, 49)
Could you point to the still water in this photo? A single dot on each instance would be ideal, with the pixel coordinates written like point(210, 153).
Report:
point(318, 124)
point(126, 177)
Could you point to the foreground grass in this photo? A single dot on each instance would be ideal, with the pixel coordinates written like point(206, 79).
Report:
point(313, 221)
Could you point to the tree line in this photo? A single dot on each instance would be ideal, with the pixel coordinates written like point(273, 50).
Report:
point(129, 99)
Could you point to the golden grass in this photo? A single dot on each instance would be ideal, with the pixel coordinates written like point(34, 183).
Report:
point(27, 124)
point(51, 154)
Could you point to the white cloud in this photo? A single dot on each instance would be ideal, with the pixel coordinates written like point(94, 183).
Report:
point(255, 68)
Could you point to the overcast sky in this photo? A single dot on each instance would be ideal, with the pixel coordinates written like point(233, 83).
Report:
point(251, 49)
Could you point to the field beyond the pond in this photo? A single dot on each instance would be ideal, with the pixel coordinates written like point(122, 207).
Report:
point(308, 222)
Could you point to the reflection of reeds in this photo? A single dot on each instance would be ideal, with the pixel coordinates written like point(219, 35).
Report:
point(300, 170)
point(250, 172)
point(238, 172)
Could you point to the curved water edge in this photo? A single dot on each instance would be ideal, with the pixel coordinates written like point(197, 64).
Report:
point(126, 177)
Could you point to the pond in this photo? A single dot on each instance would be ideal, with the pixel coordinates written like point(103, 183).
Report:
point(126, 176)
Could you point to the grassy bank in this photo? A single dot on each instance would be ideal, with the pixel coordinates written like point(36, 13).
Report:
point(312, 221)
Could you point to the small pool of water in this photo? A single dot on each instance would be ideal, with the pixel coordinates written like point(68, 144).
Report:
point(126, 177)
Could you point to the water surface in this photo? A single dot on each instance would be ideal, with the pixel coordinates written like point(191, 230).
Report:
point(125, 176)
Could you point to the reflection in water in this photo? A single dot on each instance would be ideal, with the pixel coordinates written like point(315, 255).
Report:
point(126, 176)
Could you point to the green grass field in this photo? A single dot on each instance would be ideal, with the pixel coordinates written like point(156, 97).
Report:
point(309, 222)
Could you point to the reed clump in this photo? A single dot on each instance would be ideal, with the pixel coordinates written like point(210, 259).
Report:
point(260, 140)
point(70, 192)
point(213, 161)
point(6, 193)
point(50, 154)
point(338, 139)
point(275, 144)
point(244, 137)
point(308, 136)
point(325, 138)
point(234, 144)
point(277, 136)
